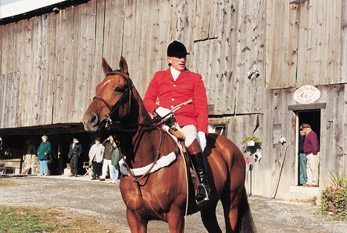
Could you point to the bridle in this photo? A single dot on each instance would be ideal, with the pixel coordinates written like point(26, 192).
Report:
point(107, 122)
point(126, 96)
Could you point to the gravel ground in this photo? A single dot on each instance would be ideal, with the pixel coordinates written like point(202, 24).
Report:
point(102, 201)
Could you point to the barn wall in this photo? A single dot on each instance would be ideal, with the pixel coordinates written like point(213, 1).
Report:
point(55, 58)
point(303, 43)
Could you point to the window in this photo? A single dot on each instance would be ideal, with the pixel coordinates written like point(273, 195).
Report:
point(220, 129)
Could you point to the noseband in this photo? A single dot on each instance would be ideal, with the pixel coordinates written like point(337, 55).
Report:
point(107, 122)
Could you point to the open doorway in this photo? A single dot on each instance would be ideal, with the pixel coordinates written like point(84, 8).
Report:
point(313, 118)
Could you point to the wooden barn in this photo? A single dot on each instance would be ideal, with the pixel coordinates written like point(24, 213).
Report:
point(268, 66)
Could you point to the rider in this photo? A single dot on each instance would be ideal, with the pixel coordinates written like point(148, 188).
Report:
point(173, 86)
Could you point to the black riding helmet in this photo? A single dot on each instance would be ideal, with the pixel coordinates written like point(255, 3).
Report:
point(176, 49)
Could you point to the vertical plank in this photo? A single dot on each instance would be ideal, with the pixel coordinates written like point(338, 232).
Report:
point(129, 50)
point(319, 42)
point(96, 76)
point(113, 37)
point(65, 25)
point(164, 34)
point(51, 63)
point(344, 130)
point(343, 76)
point(281, 19)
point(84, 29)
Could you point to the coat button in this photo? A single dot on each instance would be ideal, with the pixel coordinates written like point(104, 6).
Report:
point(174, 85)
point(173, 99)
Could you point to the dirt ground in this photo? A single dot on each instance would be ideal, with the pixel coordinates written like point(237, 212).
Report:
point(102, 201)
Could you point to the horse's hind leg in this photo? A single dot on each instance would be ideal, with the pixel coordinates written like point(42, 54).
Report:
point(226, 202)
point(230, 202)
point(238, 217)
point(209, 218)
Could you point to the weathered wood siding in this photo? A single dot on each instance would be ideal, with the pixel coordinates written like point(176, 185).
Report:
point(53, 60)
point(343, 75)
point(303, 43)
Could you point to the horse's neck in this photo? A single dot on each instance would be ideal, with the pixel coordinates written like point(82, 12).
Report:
point(142, 114)
point(140, 146)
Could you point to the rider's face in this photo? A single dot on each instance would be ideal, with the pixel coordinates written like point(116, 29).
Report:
point(179, 63)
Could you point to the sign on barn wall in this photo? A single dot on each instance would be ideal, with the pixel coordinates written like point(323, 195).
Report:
point(307, 94)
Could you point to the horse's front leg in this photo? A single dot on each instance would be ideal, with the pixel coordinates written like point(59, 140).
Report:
point(175, 219)
point(136, 224)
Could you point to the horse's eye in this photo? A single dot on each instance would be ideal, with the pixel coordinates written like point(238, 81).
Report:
point(119, 89)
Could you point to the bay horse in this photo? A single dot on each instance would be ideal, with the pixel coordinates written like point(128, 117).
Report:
point(163, 194)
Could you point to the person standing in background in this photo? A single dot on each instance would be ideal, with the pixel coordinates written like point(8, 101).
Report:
point(311, 149)
point(96, 156)
point(75, 152)
point(109, 145)
point(30, 158)
point(115, 167)
point(302, 158)
point(44, 153)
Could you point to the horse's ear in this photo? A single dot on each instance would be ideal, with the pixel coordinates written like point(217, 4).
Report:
point(106, 67)
point(123, 66)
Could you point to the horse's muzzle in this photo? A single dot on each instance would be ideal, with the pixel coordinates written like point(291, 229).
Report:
point(90, 122)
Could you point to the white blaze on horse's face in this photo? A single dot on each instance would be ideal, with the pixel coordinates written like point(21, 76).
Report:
point(108, 93)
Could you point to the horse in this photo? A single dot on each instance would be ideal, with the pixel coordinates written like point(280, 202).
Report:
point(166, 194)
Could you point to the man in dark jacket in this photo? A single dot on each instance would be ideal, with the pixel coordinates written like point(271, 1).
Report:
point(107, 162)
point(74, 153)
point(30, 159)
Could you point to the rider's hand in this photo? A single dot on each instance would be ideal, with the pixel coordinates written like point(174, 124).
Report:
point(202, 140)
point(163, 111)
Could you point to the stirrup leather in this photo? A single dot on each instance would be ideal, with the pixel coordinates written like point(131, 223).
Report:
point(176, 133)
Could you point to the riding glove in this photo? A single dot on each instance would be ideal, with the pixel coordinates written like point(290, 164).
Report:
point(163, 111)
point(202, 140)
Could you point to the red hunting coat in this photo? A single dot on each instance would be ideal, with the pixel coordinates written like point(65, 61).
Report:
point(188, 85)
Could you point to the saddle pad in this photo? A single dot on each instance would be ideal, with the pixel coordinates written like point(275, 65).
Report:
point(164, 161)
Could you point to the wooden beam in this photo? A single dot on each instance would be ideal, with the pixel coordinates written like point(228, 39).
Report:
point(298, 107)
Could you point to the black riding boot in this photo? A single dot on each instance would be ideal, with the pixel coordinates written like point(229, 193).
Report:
point(203, 192)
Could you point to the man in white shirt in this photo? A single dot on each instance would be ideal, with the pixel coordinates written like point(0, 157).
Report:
point(96, 156)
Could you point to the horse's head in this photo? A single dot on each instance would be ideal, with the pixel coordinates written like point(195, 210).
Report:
point(112, 98)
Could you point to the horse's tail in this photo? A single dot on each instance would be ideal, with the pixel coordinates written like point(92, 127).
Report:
point(246, 224)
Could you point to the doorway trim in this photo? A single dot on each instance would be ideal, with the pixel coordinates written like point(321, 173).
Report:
point(306, 107)
point(297, 125)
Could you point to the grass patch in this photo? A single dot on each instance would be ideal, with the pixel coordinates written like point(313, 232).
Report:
point(33, 220)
